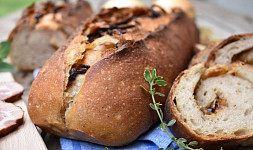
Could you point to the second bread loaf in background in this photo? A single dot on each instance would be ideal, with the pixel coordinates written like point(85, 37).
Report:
point(42, 29)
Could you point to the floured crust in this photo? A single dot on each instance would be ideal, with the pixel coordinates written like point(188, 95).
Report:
point(110, 107)
point(184, 95)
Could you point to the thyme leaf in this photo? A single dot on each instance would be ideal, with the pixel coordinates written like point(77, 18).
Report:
point(152, 79)
point(5, 47)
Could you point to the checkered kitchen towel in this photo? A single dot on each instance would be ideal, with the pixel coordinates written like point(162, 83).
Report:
point(152, 140)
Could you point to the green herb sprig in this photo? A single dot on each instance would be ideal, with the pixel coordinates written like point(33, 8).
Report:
point(153, 80)
point(5, 47)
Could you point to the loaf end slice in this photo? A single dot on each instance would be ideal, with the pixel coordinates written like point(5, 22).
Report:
point(213, 105)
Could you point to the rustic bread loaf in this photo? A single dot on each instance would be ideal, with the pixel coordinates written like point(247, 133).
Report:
point(42, 29)
point(213, 105)
point(90, 88)
point(232, 49)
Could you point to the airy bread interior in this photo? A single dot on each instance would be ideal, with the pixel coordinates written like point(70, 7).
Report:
point(216, 102)
point(238, 50)
point(39, 49)
point(42, 29)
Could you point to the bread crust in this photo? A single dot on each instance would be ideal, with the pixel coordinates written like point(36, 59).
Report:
point(111, 108)
point(50, 18)
point(181, 130)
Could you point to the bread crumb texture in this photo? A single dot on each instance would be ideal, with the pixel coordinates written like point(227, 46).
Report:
point(218, 105)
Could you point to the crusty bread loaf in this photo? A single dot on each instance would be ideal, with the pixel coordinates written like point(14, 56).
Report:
point(90, 88)
point(213, 106)
point(232, 49)
point(42, 29)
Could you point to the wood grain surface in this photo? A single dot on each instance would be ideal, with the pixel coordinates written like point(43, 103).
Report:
point(26, 136)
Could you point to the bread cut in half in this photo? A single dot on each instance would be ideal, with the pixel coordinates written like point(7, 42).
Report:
point(232, 49)
point(213, 105)
point(42, 29)
point(90, 89)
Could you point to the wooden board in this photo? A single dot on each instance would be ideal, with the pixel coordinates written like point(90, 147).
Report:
point(26, 136)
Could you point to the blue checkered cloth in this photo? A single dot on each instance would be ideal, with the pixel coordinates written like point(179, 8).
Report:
point(152, 140)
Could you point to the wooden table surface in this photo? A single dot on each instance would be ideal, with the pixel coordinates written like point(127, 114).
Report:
point(222, 22)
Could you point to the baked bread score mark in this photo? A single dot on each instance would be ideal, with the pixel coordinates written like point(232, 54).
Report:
point(213, 105)
point(90, 88)
point(42, 29)
point(103, 36)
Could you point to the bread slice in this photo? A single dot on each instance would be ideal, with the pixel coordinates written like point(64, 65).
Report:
point(90, 89)
point(42, 29)
point(213, 105)
point(232, 49)
point(11, 117)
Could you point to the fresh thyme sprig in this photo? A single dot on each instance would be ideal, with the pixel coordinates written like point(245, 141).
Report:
point(153, 80)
